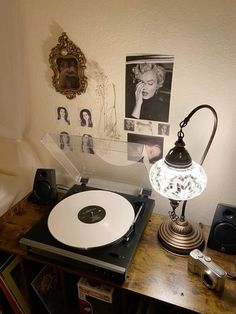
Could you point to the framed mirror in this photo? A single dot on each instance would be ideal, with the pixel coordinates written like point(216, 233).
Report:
point(68, 64)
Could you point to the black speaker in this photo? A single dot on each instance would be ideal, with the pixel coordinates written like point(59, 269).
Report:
point(222, 235)
point(44, 188)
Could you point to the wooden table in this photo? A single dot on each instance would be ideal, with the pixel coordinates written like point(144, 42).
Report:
point(154, 272)
point(165, 277)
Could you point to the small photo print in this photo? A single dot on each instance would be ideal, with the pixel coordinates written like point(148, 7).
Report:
point(148, 87)
point(64, 141)
point(145, 127)
point(86, 118)
point(62, 115)
point(163, 129)
point(129, 125)
point(87, 145)
point(152, 145)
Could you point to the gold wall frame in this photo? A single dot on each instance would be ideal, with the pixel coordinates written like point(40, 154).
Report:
point(68, 64)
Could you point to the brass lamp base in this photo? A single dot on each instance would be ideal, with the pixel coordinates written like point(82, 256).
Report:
point(180, 237)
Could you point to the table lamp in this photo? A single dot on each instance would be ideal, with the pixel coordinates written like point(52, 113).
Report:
point(178, 178)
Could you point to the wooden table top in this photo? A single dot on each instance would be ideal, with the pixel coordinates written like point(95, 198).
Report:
point(154, 272)
point(163, 276)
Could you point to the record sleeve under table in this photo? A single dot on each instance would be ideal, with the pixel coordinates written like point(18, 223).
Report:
point(154, 273)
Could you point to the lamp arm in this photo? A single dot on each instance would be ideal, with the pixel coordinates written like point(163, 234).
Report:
point(181, 135)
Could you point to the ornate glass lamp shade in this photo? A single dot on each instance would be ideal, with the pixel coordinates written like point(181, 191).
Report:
point(178, 178)
point(177, 183)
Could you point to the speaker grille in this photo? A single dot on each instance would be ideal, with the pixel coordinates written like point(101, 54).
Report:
point(225, 234)
point(44, 189)
point(222, 235)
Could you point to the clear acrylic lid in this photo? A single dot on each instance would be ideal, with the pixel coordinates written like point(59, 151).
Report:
point(110, 160)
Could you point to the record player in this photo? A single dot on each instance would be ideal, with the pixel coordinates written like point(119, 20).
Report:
point(98, 224)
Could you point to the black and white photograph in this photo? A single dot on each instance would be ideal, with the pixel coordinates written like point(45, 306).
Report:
point(64, 141)
point(163, 129)
point(87, 144)
point(148, 87)
point(152, 145)
point(62, 115)
point(86, 118)
point(129, 125)
point(144, 127)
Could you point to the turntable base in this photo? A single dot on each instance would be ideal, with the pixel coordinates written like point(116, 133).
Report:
point(52, 236)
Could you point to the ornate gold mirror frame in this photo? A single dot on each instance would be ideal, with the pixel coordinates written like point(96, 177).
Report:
point(68, 64)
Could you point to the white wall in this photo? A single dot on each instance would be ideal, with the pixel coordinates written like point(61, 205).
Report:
point(14, 103)
point(12, 88)
point(201, 36)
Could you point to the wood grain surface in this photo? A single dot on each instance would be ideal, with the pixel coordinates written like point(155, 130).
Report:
point(163, 276)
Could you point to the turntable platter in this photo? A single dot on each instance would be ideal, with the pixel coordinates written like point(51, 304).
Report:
point(91, 219)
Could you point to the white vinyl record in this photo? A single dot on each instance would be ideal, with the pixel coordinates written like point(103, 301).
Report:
point(91, 219)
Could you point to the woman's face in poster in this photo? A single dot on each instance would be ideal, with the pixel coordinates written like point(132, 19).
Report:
point(64, 138)
point(85, 139)
point(62, 112)
point(149, 81)
point(153, 151)
point(85, 115)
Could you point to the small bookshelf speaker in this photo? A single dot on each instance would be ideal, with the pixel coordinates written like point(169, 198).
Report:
point(222, 235)
point(44, 188)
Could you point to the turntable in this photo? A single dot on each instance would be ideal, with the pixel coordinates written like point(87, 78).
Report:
point(98, 224)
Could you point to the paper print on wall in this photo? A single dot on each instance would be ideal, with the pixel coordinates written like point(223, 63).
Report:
point(105, 106)
point(87, 144)
point(64, 141)
point(85, 116)
point(153, 146)
point(148, 87)
point(163, 129)
point(145, 127)
point(62, 116)
point(129, 125)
